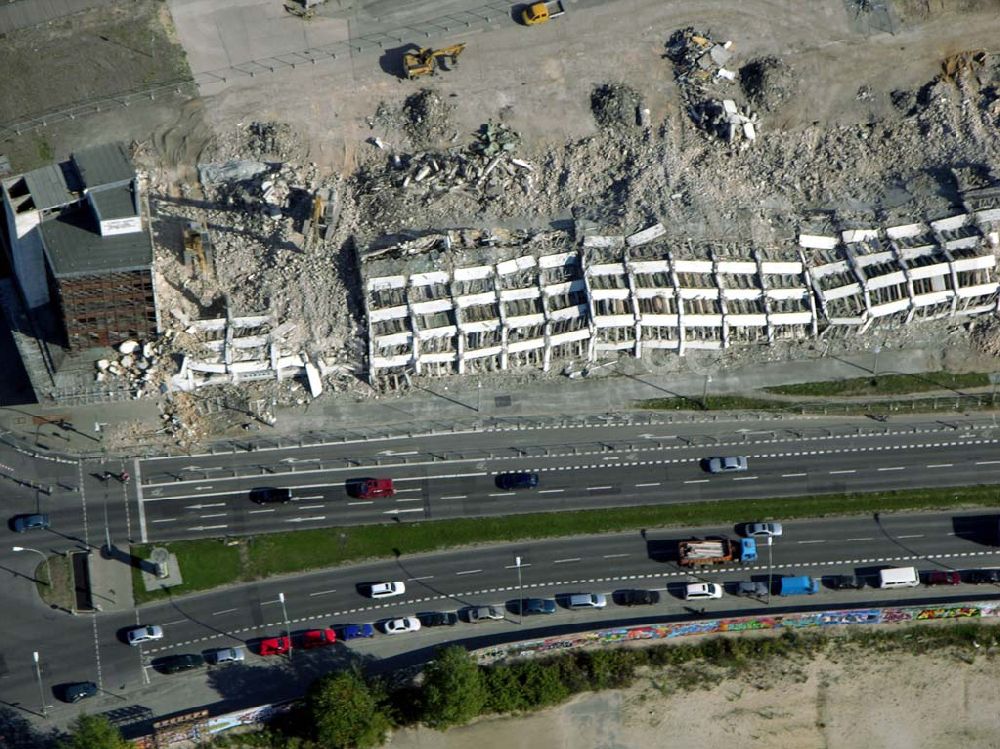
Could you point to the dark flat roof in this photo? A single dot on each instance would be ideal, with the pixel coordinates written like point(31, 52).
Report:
point(48, 187)
point(103, 165)
point(74, 246)
point(117, 202)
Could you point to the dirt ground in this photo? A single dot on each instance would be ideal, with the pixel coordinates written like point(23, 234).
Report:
point(898, 702)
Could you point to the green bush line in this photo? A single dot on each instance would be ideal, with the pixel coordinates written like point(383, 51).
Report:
point(210, 563)
point(950, 403)
point(886, 384)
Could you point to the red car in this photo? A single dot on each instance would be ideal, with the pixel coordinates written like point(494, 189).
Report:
point(370, 488)
point(317, 638)
point(275, 646)
point(940, 577)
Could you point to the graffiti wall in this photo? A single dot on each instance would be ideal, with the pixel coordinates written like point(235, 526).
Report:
point(891, 615)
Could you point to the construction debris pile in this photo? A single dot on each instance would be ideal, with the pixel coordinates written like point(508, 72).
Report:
point(767, 82)
point(616, 105)
point(707, 86)
point(426, 117)
point(137, 364)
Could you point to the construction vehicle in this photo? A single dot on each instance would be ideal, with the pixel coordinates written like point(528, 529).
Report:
point(425, 60)
point(198, 248)
point(698, 551)
point(537, 13)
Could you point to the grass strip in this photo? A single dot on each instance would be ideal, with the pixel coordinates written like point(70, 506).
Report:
point(211, 563)
point(951, 404)
point(887, 384)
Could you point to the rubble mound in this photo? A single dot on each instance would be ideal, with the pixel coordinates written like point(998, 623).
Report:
point(767, 82)
point(427, 116)
point(274, 140)
point(615, 104)
point(985, 336)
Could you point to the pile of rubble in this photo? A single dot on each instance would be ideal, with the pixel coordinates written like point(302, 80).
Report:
point(767, 82)
point(426, 117)
point(138, 364)
point(617, 105)
point(704, 81)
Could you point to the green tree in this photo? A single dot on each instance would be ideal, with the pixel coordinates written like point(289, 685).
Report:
point(454, 691)
point(348, 712)
point(93, 732)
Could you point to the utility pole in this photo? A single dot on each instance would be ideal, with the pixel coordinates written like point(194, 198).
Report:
point(770, 567)
point(38, 673)
point(520, 592)
point(288, 631)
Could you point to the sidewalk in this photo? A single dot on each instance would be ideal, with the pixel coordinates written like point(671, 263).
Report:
point(446, 401)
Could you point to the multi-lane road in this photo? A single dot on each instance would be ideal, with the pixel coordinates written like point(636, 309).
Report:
point(450, 475)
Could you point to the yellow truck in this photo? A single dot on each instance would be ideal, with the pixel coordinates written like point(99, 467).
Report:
point(537, 13)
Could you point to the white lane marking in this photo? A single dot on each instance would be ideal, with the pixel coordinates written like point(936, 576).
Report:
point(204, 507)
point(468, 572)
point(400, 512)
point(138, 495)
point(941, 465)
point(551, 491)
point(314, 496)
point(893, 468)
point(850, 470)
point(424, 577)
point(206, 527)
point(404, 491)
point(614, 556)
point(165, 520)
point(215, 515)
point(504, 494)
point(914, 535)
point(812, 541)
point(304, 520)
point(696, 481)
point(311, 507)
point(457, 496)
point(368, 502)
point(745, 478)
point(987, 462)
point(203, 488)
point(565, 561)
point(175, 621)
point(870, 538)
point(514, 566)
point(410, 499)
point(654, 483)
point(597, 488)
point(793, 475)
point(323, 592)
point(257, 512)
point(220, 613)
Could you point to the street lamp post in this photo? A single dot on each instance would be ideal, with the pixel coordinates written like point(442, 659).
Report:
point(704, 393)
point(877, 350)
point(48, 572)
point(520, 594)
point(38, 673)
point(770, 567)
point(288, 631)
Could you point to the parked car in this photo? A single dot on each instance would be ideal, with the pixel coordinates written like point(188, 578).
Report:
point(751, 589)
point(726, 465)
point(318, 638)
point(438, 618)
point(148, 633)
point(370, 488)
point(517, 480)
point(267, 495)
point(700, 591)
point(77, 691)
point(36, 522)
point(225, 655)
point(984, 576)
point(355, 631)
point(942, 577)
point(762, 530)
point(845, 582)
point(533, 606)
point(402, 625)
point(172, 664)
point(483, 613)
point(386, 590)
point(275, 645)
point(637, 597)
point(586, 601)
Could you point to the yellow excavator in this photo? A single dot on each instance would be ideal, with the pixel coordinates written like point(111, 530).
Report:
point(424, 61)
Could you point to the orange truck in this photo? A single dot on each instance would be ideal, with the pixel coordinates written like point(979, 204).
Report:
point(697, 551)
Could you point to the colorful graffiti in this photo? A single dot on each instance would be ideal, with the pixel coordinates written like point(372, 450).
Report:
point(889, 615)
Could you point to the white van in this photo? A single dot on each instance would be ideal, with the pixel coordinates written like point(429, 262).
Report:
point(898, 577)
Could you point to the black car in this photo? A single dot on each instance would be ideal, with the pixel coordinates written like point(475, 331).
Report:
point(266, 495)
point(77, 691)
point(517, 480)
point(532, 606)
point(438, 618)
point(171, 664)
point(846, 582)
point(751, 589)
point(637, 597)
point(984, 576)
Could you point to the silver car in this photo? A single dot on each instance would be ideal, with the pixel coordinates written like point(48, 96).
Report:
point(226, 655)
point(727, 465)
point(483, 613)
point(762, 530)
point(148, 633)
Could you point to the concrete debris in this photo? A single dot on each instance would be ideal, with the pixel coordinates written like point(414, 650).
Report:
point(616, 105)
point(128, 347)
point(231, 171)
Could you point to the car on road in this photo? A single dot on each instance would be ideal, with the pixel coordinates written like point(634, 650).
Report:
point(38, 521)
point(942, 577)
point(984, 576)
point(402, 625)
point(726, 464)
point(275, 645)
point(751, 589)
point(636, 597)
point(385, 590)
point(225, 655)
point(701, 591)
point(370, 488)
point(845, 582)
point(356, 631)
point(533, 606)
point(438, 618)
point(517, 480)
point(172, 664)
point(149, 633)
point(79, 690)
point(269, 495)
point(586, 601)
point(484, 613)
point(762, 530)
point(318, 638)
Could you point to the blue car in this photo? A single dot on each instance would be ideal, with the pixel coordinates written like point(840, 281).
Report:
point(354, 631)
point(23, 523)
point(517, 480)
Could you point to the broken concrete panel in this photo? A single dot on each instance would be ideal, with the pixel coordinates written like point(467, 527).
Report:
point(951, 223)
point(313, 379)
point(603, 242)
point(646, 235)
point(817, 242)
point(203, 366)
point(473, 274)
point(748, 131)
point(904, 231)
point(859, 235)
